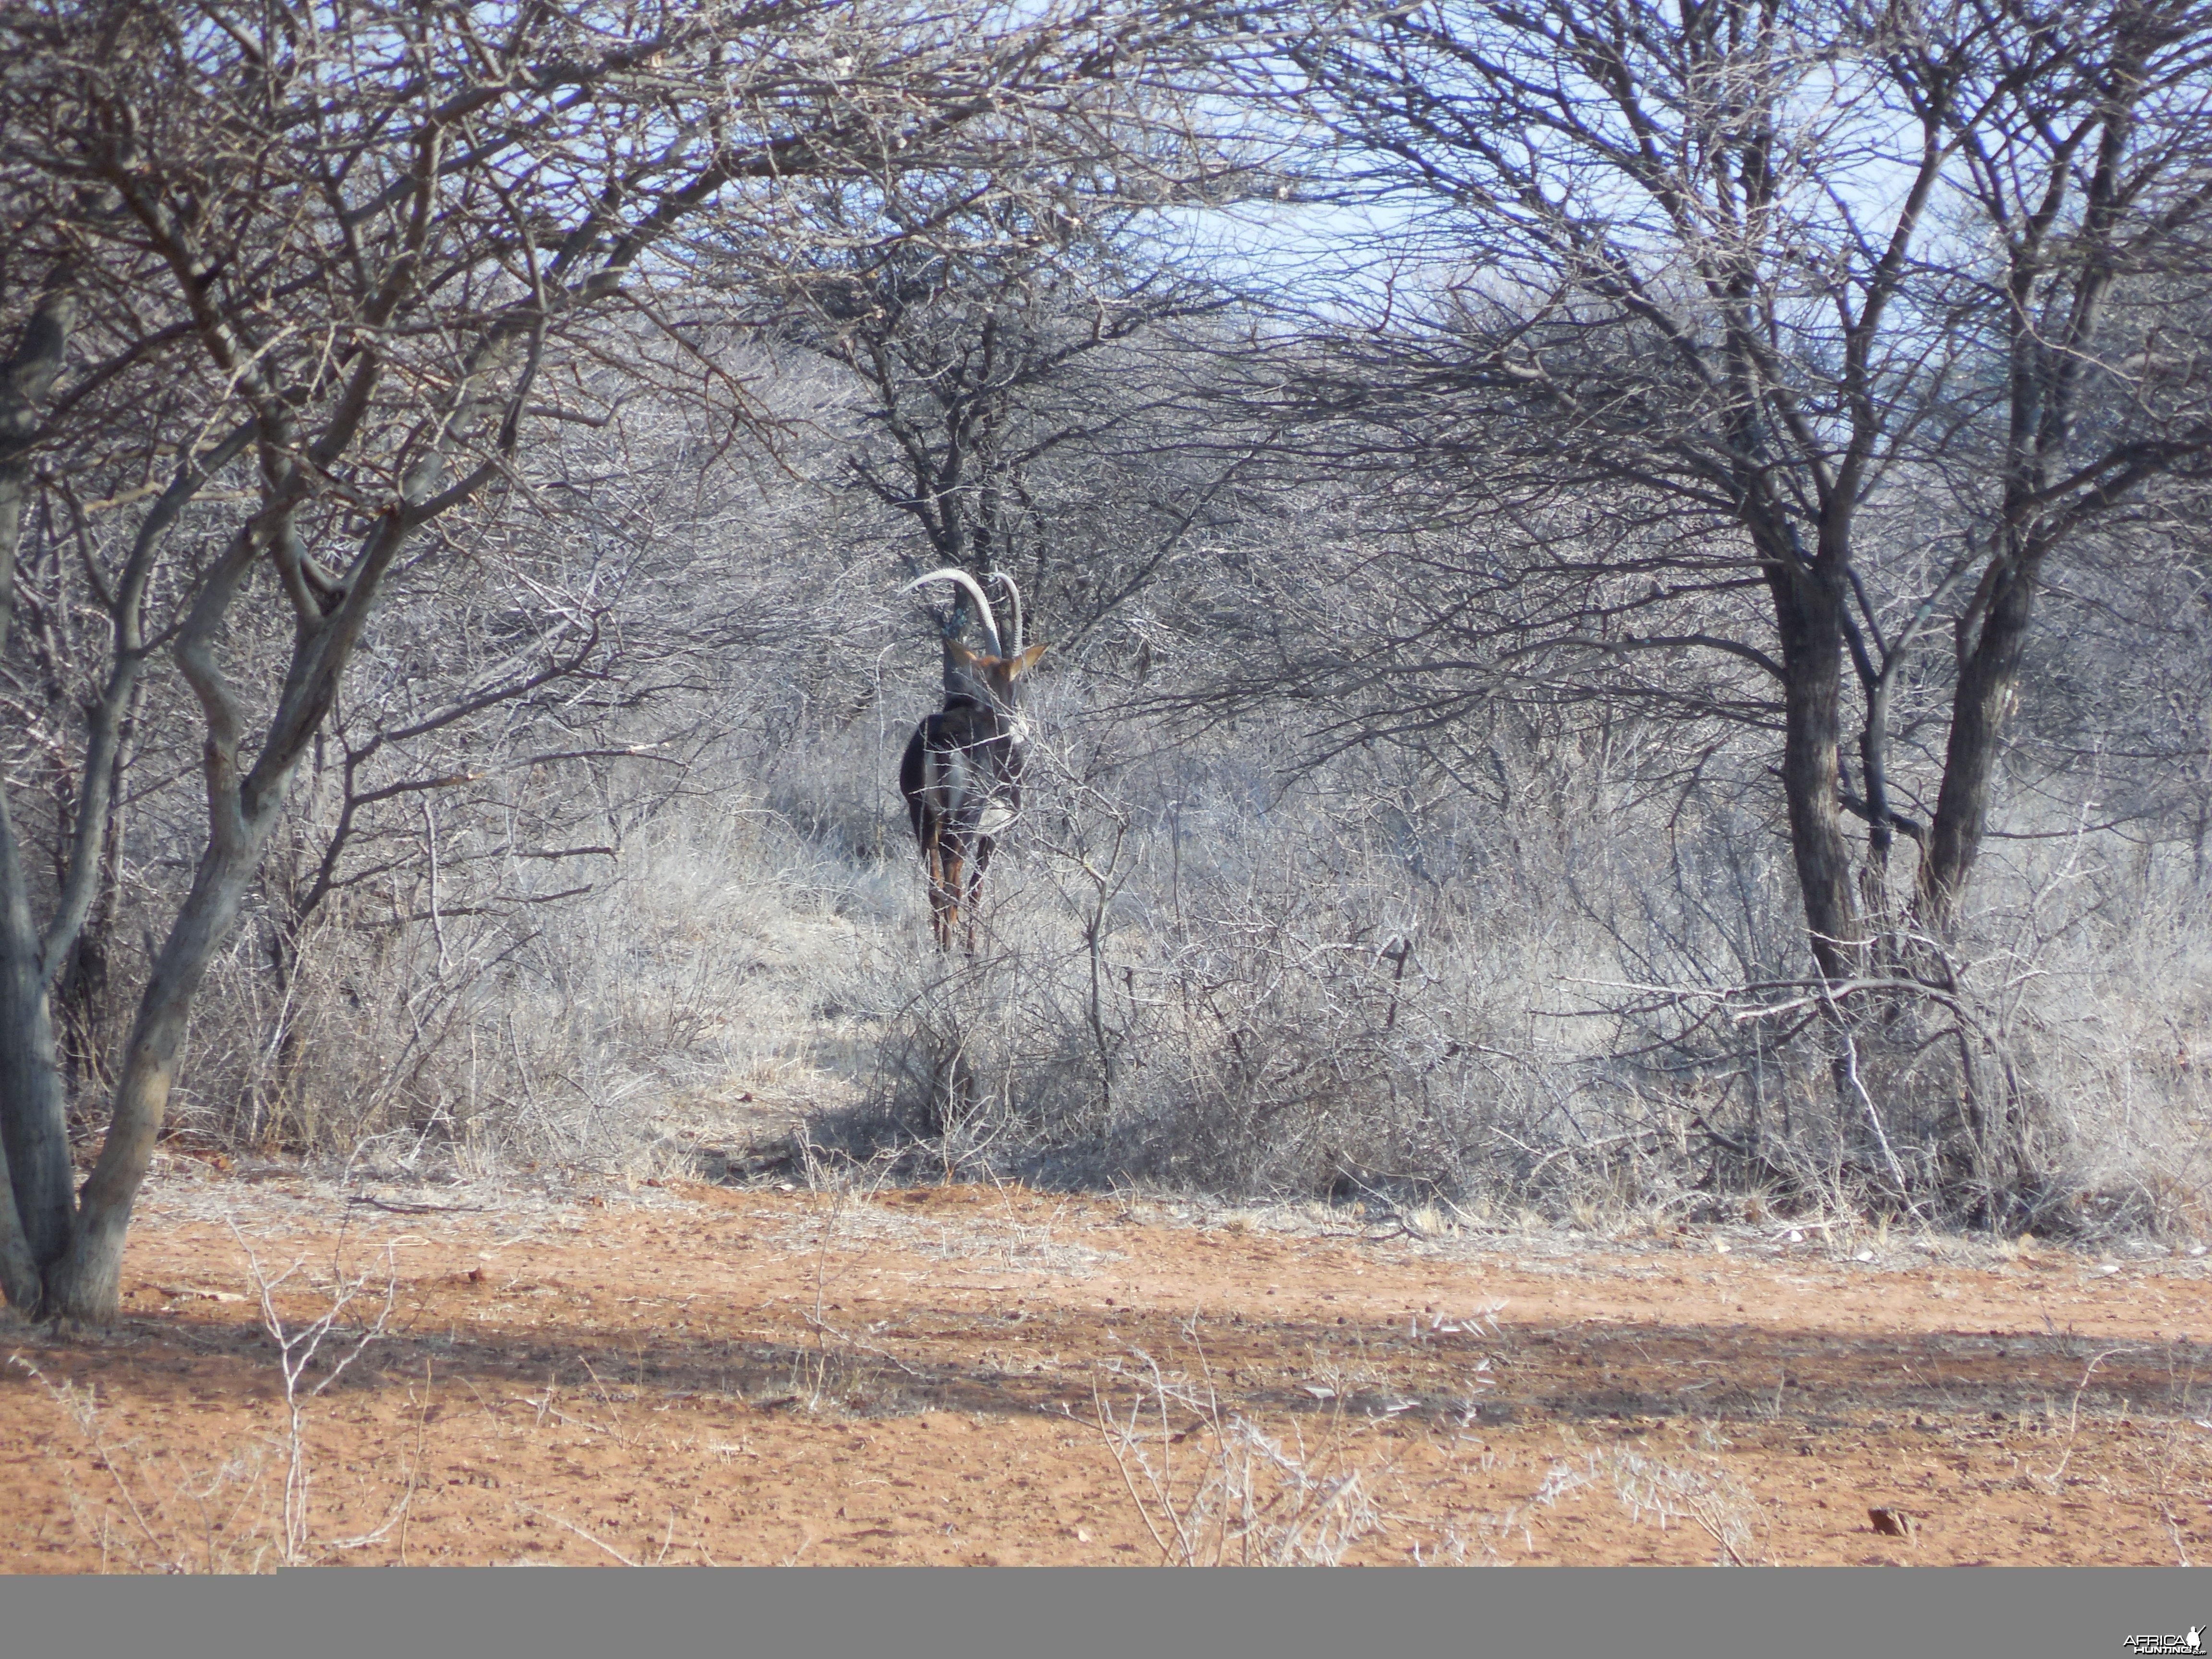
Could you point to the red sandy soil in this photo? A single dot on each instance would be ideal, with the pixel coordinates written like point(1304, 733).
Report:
point(691, 1373)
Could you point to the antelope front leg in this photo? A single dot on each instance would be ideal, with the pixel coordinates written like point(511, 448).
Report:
point(954, 887)
point(975, 890)
point(934, 870)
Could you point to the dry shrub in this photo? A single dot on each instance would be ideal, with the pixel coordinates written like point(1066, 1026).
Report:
point(1215, 1489)
point(1195, 970)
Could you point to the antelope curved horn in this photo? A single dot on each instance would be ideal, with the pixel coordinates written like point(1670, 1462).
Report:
point(976, 592)
point(1014, 597)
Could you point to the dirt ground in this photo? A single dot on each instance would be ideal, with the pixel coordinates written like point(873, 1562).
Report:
point(690, 1374)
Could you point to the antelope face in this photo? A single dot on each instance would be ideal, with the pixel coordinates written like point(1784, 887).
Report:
point(994, 677)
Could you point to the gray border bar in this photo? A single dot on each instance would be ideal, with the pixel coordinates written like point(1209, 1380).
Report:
point(1129, 1614)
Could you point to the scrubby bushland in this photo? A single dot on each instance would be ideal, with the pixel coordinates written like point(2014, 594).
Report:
point(1593, 999)
point(299, 297)
point(1418, 802)
point(1542, 952)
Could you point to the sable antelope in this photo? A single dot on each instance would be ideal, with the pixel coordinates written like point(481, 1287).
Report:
point(962, 773)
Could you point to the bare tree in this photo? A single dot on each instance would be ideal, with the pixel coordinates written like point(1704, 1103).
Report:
point(994, 338)
point(1693, 298)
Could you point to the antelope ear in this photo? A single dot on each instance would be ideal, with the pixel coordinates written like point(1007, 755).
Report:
point(1019, 666)
point(963, 656)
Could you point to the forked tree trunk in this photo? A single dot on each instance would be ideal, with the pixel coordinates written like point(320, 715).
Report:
point(34, 1170)
point(34, 1164)
point(1808, 614)
point(1989, 678)
point(33, 1110)
point(86, 1282)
